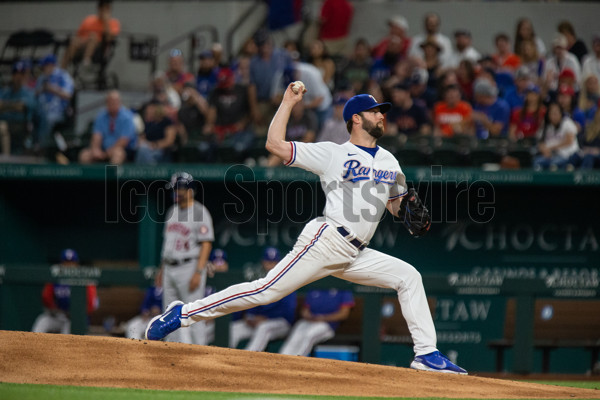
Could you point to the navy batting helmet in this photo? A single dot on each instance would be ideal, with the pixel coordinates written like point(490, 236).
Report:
point(181, 180)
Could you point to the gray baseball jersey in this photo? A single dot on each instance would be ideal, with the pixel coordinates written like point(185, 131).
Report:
point(184, 230)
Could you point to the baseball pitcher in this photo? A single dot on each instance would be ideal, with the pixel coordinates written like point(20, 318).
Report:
point(360, 180)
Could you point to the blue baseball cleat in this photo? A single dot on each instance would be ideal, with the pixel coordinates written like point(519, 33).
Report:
point(161, 325)
point(436, 362)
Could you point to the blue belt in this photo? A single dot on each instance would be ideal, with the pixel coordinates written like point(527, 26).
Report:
point(355, 242)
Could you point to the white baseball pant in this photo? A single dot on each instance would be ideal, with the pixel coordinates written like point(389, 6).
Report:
point(321, 251)
point(260, 336)
point(176, 281)
point(305, 335)
point(52, 322)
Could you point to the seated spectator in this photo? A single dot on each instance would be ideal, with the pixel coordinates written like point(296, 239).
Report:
point(193, 113)
point(589, 96)
point(113, 135)
point(17, 106)
point(567, 101)
point(208, 71)
point(431, 25)
point(558, 140)
point(265, 323)
point(383, 67)
point(527, 121)
point(559, 61)
point(406, 117)
point(334, 129)
point(525, 32)
point(319, 57)
point(433, 62)
point(398, 28)
point(515, 96)
point(321, 314)
point(95, 30)
point(452, 116)
point(355, 71)
point(531, 59)
point(465, 75)
point(164, 93)
point(419, 90)
point(490, 113)
point(155, 144)
point(151, 307)
point(229, 113)
point(54, 90)
point(504, 57)
point(463, 49)
point(575, 45)
point(176, 72)
point(591, 62)
point(334, 25)
point(589, 155)
point(56, 299)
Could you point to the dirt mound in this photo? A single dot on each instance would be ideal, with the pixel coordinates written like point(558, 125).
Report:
point(102, 361)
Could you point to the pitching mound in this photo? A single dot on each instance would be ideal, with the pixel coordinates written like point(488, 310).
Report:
point(102, 361)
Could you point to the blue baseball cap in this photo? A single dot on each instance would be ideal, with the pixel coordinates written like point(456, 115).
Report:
point(49, 59)
point(218, 256)
point(363, 102)
point(271, 254)
point(69, 255)
point(19, 66)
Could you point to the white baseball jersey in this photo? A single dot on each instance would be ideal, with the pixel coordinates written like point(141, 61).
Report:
point(185, 229)
point(357, 185)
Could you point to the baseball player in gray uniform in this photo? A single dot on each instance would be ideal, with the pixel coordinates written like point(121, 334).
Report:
point(360, 180)
point(187, 243)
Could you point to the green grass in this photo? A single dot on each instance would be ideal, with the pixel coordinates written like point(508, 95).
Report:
point(15, 391)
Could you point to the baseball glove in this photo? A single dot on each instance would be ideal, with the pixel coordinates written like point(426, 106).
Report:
point(414, 215)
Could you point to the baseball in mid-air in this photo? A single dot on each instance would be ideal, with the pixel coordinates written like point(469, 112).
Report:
point(298, 87)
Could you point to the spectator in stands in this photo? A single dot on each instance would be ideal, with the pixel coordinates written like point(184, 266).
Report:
point(463, 49)
point(334, 25)
point(397, 35)
point(383, 67)
point(400, 74)
point(208, 71)
point(155, 144)
point(525, 31)
point(192, 114)
point(432, 23)
point(567, 101)
point(114, 135)
point(95, 30)
point(151, 307)
point(515, 96)
point(465, 75)
point(589, 155)
point(56, 299)
point(527, 120)
point(504, 57)
point(269, 61)
point(419, 90)
point(490, 113)
point(406, 117)
point(334, 129)
point(17, 106)
point(54, 90)
point(433, 61)
point(265, 323)
point(164, 93)
point(229, 113)
point(575, 45)
point(531, 59)
point(589, 96)
point(355, 72)
point(560, 60)
point(176, 72)
point(591, 62)
point(558, 140)
point(319, 57)
point(452, 116)
point(322, 312)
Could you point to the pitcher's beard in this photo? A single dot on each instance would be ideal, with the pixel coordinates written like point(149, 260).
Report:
point(375, 131)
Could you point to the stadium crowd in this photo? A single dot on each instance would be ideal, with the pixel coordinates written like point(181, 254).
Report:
point(524, 105)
